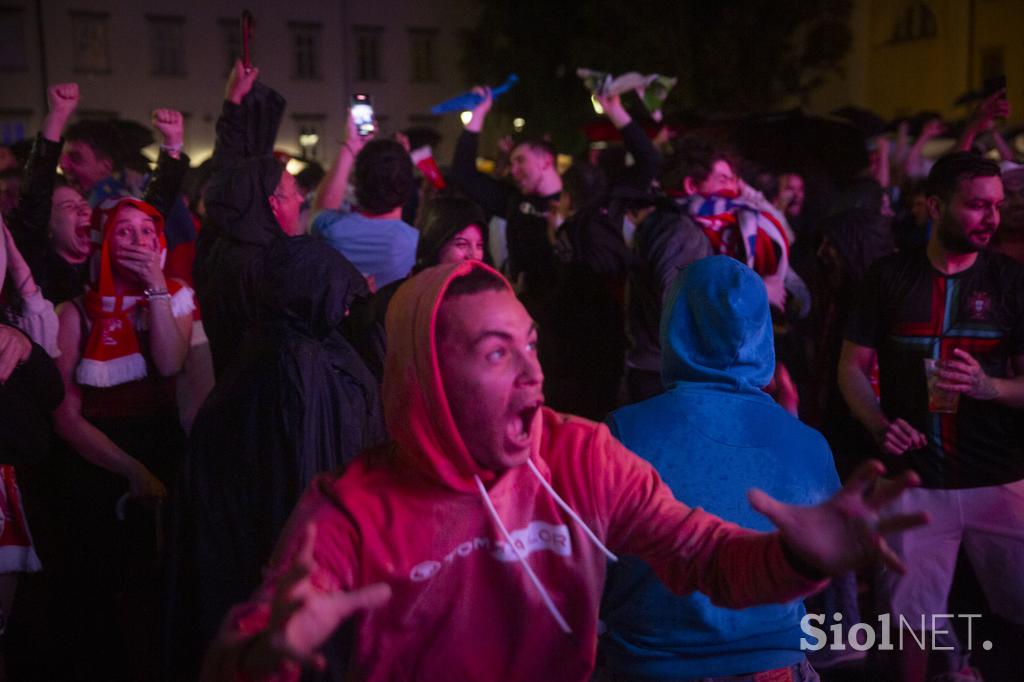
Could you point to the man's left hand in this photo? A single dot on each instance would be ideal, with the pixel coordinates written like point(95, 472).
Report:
point(964, 375)
point(846, 531)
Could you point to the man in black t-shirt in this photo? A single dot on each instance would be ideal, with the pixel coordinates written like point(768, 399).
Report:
point(960, 305)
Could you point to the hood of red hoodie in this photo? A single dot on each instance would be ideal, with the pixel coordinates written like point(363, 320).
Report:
point(416, 408)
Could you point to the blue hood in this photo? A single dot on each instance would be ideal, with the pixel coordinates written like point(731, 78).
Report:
point(716, 328)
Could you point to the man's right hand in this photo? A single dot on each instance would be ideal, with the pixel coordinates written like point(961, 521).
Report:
point(897, 437)
point(62, 99)
point(476, 123)
point(240, 82)
point(303, 616)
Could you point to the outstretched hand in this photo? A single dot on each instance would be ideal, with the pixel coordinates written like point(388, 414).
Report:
point(303, 615)
point(240, 82)
point(846, 531)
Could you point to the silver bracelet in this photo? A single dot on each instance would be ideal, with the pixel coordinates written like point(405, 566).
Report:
point(157, 294)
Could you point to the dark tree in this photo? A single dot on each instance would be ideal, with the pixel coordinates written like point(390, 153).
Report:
point(731, 56)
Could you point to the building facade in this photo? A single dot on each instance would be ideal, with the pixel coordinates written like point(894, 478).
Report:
point(910, 56)
point(132, 56)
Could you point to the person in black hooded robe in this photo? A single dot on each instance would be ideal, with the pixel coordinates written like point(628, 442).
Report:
point(245, 201)
point(296, 401)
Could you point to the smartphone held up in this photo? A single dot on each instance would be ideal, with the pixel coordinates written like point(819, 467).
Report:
point(362, 114)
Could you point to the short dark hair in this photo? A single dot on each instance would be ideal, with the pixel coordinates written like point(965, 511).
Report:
point(474, 282)
point(585, 184)
point(439, 220)
point(101, 136)
point(949, 170)
point(537, 144)
point(692, 158)
point(383, 177)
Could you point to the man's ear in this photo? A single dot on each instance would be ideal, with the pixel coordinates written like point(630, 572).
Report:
point(689, 186)
point(936, 207)
point(549, 161)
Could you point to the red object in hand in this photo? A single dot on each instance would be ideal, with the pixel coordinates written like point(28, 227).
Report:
point(247, 33)
point(423, 157)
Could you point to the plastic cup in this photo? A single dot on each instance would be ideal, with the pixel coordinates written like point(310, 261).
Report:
point(939, 400)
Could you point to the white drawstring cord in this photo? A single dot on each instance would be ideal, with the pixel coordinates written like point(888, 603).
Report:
point(529, 571)
point(568, 510)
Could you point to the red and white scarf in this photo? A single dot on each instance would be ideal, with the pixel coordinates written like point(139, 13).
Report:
point(112, 354)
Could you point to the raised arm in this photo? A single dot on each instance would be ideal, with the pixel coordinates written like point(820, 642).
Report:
point(330, 193)
point(165, 187)
point(31, 218)
point(491, 194)
point(230, 146)
point(690, 549)
point(647, 159)
point(994, 106)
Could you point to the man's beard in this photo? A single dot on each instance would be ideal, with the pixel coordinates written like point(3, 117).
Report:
point(955, 241)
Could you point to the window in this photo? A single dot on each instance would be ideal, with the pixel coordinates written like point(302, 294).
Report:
point(167, 45)
point(992, 62)
point(916, 22)
point(90, 40)
point(367, 44)
point(12, 40)
point(421, 50)
point(13, 125)
point(305, 41)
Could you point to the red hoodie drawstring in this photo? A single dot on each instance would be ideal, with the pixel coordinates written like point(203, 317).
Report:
point(529, 571)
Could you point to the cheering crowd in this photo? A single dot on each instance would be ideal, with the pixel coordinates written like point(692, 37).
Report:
point(628, 420)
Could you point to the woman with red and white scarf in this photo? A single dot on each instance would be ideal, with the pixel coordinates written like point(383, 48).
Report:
point(121, 343)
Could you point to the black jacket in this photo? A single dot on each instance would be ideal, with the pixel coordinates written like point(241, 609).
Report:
point(27, 398)
point(295, 401)
point(665, 242)
point(239, 224)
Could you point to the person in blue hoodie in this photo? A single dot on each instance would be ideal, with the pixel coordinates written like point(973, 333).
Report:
point(712, 436)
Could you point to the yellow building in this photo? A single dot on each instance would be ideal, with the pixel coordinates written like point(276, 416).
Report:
point(921, 55)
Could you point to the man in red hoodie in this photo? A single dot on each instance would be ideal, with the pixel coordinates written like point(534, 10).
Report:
point(473, 545)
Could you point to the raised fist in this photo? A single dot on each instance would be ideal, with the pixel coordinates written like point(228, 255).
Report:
point(171, 125)
point(240, 82)
point(62, 98)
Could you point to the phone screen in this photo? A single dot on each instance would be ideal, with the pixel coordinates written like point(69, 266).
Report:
point(362, 114)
